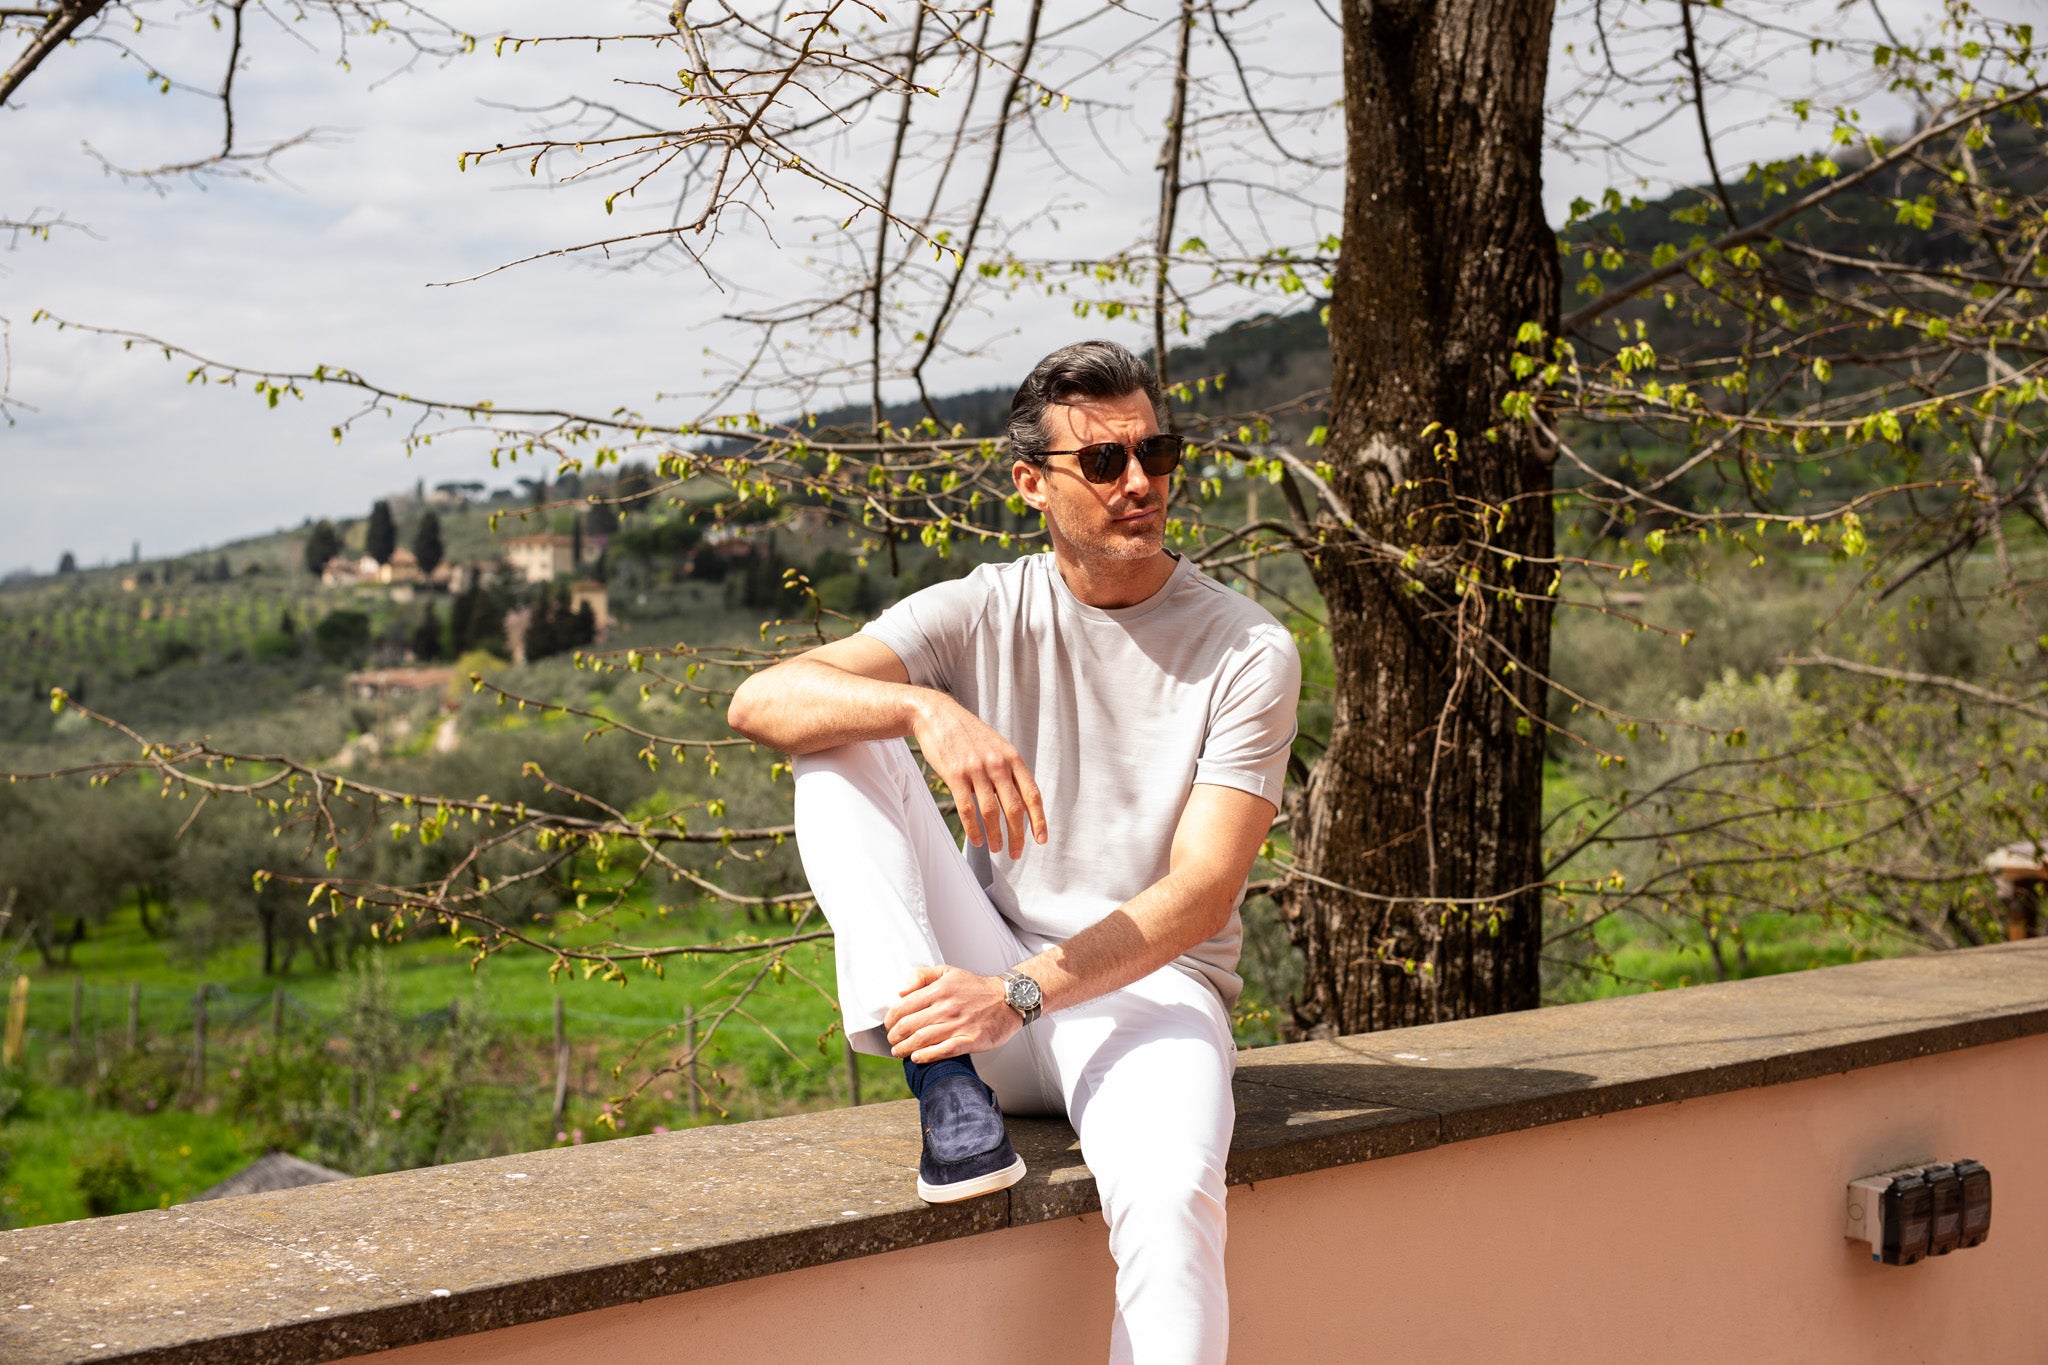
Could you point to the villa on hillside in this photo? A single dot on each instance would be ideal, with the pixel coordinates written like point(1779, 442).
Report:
point(347, 571)
point(402, 567)
point(462, 577)
point(545, 557)
point(400, 572)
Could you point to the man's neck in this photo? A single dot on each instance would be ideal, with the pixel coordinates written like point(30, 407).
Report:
point(1112, 583)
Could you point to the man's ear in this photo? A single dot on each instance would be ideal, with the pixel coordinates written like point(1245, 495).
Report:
point(1030, 481)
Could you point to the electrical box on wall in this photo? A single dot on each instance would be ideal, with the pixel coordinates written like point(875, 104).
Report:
point(1915, 1212)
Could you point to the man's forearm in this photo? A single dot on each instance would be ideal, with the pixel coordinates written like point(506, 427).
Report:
point(948, 1011)
point(802, 706)
point(1169, 918)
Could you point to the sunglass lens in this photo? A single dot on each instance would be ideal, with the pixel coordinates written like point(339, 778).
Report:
point(1159, 455)
point(1102, 462)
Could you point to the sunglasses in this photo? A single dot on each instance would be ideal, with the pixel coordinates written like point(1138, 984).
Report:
point(1105, 461)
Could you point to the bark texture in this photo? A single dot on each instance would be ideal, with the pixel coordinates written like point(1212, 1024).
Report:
point(1429, 797)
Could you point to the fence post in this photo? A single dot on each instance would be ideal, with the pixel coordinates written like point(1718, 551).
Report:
point(561, 1065)
point(852, 1071)
point(690, 1059)
point(277, 1014)
point(199, 1041)
point(16, 1045)
point(134, 1014)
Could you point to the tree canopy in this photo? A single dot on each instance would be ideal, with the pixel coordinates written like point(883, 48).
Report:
point(380, 534)
point(323, 543)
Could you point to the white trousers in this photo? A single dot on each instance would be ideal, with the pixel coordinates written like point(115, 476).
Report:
point(1142, 1073)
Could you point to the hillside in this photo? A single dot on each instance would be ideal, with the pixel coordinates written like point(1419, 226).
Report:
point(88, 632)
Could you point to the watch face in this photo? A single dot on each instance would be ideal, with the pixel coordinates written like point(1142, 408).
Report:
point(1024, 992)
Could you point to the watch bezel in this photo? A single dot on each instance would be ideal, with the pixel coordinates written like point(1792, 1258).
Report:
point(1016, 984)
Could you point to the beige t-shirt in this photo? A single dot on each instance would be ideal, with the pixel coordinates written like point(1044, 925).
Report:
point(1118, 713)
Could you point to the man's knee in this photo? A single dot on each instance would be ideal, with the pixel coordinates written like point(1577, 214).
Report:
point(858, 759)
point(1165, 1190)
point(862, 771)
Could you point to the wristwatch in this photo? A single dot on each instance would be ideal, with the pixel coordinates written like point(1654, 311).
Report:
point(1021, 994)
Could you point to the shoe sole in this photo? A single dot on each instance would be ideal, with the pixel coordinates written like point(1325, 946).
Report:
point(968, 1189)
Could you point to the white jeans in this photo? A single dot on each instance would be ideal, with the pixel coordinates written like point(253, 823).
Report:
point(1142, 1073)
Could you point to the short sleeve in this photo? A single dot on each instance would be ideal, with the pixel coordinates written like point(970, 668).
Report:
point(928, 629)
point(1251, 724)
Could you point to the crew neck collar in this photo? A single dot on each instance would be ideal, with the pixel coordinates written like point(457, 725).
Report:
point(1120, 615)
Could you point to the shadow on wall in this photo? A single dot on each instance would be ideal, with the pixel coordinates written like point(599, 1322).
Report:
point(1424, 1088)
point(1296, 1116)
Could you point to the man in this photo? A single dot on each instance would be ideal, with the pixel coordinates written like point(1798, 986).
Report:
point(1134, 717)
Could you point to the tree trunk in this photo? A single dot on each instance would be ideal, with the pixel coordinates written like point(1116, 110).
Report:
point(46, 947)
point(147, 896)
point(1429, 797)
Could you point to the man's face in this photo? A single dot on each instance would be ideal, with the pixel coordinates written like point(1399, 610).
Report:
point(1124, 519)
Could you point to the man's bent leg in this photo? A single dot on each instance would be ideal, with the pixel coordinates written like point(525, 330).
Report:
point(899, 896)
point(1147, 1075)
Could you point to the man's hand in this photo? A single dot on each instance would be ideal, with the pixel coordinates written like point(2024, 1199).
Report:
point(992, 789)
point(947, 1012)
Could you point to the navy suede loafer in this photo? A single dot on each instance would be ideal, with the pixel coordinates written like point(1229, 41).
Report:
point(966, 1150)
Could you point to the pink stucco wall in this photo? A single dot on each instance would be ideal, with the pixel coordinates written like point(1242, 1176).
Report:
point(1705, 1230)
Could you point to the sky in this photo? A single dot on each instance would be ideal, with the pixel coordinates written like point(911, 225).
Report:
point(336, 256)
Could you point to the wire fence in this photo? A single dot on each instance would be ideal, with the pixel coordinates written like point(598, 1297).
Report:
point(79, 1027)
point(101, 1006)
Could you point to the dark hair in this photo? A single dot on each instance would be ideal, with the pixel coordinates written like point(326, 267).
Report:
point(1086, 369)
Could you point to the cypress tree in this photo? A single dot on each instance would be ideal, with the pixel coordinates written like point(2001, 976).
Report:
point(462, 620)
point(426, 543)
point(322, 544)
point(543, 628)
point(426, 637)
point(381, 537)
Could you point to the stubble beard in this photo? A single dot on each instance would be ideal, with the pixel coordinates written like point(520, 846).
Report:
point(1114, 541)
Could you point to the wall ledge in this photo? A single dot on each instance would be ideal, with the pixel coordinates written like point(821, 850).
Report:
point(336, 1270)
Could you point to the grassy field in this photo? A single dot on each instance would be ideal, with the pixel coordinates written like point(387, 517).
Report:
point(1629, 957)
point(779, 1052)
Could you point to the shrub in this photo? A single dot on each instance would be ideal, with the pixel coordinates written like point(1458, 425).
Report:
point(293, 1094)
point(342, 635)
point(175, 650)
point(141, 1082)
point(272, 645)
point(112, 1181)
point(13, 1095)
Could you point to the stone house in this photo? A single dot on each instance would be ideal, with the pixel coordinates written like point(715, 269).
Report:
point(545, 557)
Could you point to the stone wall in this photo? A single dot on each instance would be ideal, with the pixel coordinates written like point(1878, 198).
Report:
point(1659, 1177)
